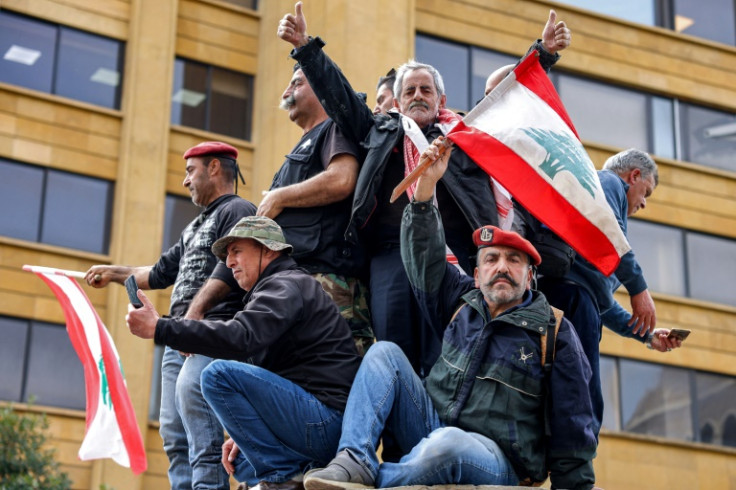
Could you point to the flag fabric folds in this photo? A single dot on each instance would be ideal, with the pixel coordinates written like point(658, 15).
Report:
point(111, 428)
point(521, 135)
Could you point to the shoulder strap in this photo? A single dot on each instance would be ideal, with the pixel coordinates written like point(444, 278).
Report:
point(548, 340)
point(464, 304)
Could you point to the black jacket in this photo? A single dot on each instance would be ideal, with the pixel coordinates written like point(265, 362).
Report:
point(289, 326)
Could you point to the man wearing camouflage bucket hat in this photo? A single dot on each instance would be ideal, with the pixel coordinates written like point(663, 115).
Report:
point(289, 352)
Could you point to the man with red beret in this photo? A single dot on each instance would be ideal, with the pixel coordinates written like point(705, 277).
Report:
point(495, 410)
point(203, 288)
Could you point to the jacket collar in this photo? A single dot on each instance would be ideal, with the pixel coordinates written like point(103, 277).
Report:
point(282, 263)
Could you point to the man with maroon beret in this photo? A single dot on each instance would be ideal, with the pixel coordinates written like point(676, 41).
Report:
point(203, 288)
point(494, 410)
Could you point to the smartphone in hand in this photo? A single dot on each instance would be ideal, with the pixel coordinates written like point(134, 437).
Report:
point(678, 334)
point(131, 286)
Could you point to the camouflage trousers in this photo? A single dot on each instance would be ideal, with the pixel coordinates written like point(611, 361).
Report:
point(351, 297)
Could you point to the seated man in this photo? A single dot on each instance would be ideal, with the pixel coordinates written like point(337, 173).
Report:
point(491, 412)
point(281, 398)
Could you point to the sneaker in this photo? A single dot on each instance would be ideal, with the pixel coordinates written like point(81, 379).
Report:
point(343, 472)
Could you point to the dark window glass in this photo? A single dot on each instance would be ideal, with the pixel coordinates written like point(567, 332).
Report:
point(604, 113)
point(60, 60)
point(20, 189)
point(189, 107)
point(77, 212)
point(729, 431)
point(212, 99)
point(89, 68)
point(453, 62)
point(711, 268)
point(642, 11)
point(660, 251)
point(14, 335)
point(714, 19)
point(709, 136)
point(251, 4)
point(55, 375)
point(180, 211)
point(55, 207)
point(715, 404)
point(154, 404)
point(485, 62)
point(230, 103)
point(27, 48)
point(610, 386)
point(655, 400)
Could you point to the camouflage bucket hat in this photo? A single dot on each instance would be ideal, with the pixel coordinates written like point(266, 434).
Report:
point(258, 228)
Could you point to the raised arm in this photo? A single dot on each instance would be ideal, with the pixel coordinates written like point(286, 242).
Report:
point(337, 96)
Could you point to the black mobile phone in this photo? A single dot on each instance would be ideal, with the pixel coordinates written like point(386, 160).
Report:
point(131, 286)
point(678, 333)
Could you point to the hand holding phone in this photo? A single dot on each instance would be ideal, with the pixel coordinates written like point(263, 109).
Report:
point(131, 286)
point(678, 334)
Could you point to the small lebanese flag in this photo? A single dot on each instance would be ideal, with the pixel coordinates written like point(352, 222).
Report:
point(521, 135)
point(112, 430)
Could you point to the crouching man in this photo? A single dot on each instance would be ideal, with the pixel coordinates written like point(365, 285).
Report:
point(292, 359)
point(491, 414)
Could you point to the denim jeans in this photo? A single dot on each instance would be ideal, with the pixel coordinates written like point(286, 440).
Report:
point(190, 430)
point(281, 429)
point(387, 393)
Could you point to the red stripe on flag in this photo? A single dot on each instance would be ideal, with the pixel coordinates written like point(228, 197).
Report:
point(78, 337)
point(532, 191)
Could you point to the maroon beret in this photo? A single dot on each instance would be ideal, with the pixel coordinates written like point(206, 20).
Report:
point(491, 236)
point(212, 148)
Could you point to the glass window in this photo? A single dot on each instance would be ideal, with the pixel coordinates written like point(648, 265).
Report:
point(89, 68)
point(610, 387)
point(453, 62)
point(230, 103)
point(715, 404)
point(55, 207)
point(660, 251)
point(604, 113)
point(180, 211)
point(711, 267)
point(655, 400)
point(485, 62)
point(20, 188)
point(641, 11)
point(27, 47)
point(714, 19)
point(54, 374)
point(12, 352)
point(663, 127)
point(212, 99)
point(154, 403)
point(709, 136)
point(250, 4)
point(60, 60)
point(77, 212)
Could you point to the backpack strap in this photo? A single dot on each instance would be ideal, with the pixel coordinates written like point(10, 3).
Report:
point(549, 339)
point(463, 305)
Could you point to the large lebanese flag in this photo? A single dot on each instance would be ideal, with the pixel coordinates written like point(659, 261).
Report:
point(112, 430)
point(522, 136)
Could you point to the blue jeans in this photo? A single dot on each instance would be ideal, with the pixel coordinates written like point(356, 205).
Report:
point(581, 310)
point(190, 430)
point(281, 429)
point(387, 393)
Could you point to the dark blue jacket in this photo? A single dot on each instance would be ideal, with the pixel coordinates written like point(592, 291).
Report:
point(489, 378)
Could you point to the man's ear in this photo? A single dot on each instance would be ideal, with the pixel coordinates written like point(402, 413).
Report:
point(475, 276)
point(443, 101)
point(634, 175)
point(214, 167)
point(530, 278)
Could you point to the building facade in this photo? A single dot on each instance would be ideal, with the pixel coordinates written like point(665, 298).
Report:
point(98, 101)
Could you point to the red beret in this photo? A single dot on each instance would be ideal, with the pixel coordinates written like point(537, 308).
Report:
point(491, 236)
point(212, 148)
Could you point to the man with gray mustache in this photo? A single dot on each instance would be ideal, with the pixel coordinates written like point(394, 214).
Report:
point(392, 144)
point(310, 199)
